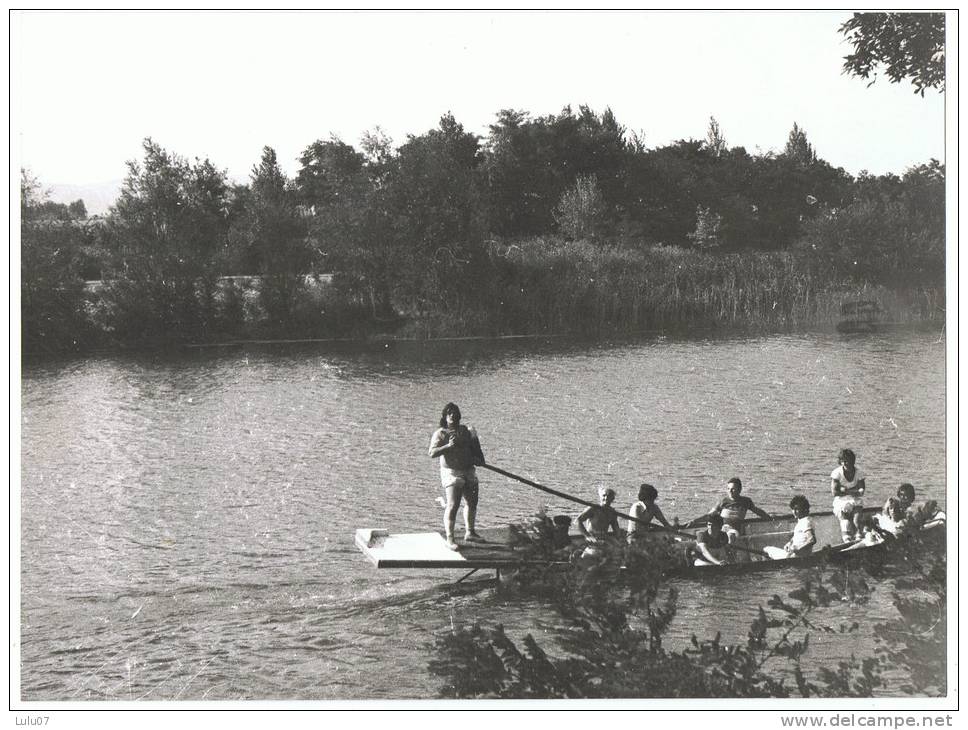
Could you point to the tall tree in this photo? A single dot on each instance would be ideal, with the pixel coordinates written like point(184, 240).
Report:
point(529, 164)
point(328, 172)
point(167, 229)
point(798, 148)
point(273, 225)
point(908, 45)
point(715, 141)
point(512, 171)
point(349, 226)
point(434, 203)
point(377, 146)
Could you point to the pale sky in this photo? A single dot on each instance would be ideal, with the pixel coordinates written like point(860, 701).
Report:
point(87, 87)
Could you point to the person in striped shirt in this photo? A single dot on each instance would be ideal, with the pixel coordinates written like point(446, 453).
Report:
point(733, 508)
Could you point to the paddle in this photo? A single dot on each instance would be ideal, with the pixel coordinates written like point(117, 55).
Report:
point(571, 498)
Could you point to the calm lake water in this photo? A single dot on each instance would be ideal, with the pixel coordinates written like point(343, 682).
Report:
point(187, 522)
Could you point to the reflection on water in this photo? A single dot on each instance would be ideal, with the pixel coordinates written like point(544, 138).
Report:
point(187, 521)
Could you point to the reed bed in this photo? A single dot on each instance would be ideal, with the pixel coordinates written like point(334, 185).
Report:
point(551, 286)
point(554, 286)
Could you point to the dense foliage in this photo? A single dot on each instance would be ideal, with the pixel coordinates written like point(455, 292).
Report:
point(908, 46)
point(54, 243)
point(609, 640)
point(564, 224)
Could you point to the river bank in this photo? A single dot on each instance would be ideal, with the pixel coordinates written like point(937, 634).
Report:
point(534, 288)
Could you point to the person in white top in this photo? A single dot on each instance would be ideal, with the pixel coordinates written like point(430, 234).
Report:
point(847, 486)
point(804, 536)
point(892, 518)
point(644, 511)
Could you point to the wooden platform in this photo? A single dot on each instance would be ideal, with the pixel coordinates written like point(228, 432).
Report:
point(429, 550)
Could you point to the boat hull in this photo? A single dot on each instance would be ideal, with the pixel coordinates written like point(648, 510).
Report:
point(503, 548)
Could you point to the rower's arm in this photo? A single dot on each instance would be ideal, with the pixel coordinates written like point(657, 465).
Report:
point(581, 522)
point(762, 513)
point(701, 519)
point(657, 511)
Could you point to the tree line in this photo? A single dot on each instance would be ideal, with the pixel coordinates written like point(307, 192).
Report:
point(452, 232)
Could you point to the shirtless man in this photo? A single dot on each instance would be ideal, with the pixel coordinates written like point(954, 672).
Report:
point(600, 519)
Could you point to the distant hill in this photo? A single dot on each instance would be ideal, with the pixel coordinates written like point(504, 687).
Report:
point(97, 197)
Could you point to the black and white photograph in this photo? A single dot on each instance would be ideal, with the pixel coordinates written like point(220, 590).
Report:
point(469, 360)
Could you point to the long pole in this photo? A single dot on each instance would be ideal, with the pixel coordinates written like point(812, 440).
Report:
point(579, 500)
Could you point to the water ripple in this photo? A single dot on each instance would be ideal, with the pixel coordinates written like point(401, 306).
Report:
point(187, 522)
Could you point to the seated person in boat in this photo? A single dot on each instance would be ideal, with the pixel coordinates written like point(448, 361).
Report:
point(847, 486)
point(713, 544)
point(924, 514)
point(560, 537)
point(905, 495)
point(733, 508)
point(644, 511)
point(547, 536)
point(892, 519)
point(920, 515)
point(600, 519)
point(804, 536)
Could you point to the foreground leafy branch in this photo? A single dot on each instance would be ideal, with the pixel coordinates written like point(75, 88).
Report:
point(609, 643)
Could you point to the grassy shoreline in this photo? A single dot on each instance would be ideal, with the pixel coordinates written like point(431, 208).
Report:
point(541, 287)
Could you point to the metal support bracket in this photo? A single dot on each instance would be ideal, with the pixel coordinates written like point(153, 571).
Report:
point(468, 575)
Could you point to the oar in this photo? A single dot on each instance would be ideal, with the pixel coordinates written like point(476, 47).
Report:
point(579, 500)
point(571, 498)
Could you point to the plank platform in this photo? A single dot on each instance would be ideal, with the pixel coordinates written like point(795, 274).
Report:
point(429, 550)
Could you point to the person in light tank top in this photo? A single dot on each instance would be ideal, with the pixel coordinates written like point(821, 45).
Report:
point(644, 511)
point(847, 485)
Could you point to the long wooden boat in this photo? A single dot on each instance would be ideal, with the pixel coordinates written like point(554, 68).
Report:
point(503, 549)
point(761, 535)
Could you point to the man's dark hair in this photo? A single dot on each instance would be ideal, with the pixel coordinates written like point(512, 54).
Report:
point(800, 501)
point(449, 408)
